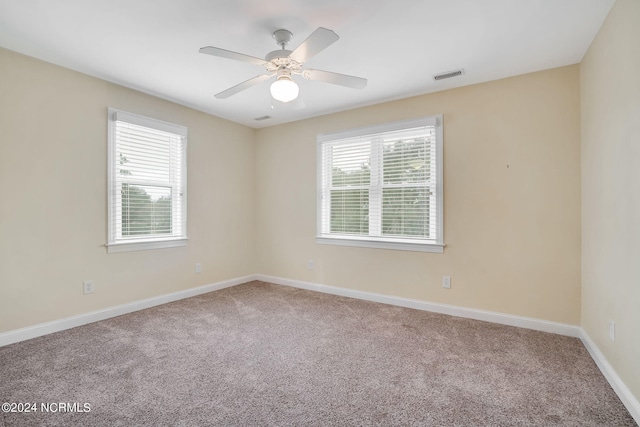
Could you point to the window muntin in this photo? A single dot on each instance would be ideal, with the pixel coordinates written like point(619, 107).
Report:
point(147, 183)
point(382, 186)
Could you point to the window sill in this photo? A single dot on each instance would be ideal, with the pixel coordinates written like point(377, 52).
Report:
point(143, 245)
point(382, 244)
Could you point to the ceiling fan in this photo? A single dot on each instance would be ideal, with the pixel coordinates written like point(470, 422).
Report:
point(283, 64)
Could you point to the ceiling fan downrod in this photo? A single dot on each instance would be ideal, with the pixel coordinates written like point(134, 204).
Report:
point(283, 37)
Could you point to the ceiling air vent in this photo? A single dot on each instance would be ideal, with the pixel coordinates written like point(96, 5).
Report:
point(259, 119)
point(448, 74)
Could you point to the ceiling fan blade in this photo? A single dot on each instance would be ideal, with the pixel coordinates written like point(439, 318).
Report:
point(242, 86)
point(335, 78)
point(223, 53)
point(318, 41)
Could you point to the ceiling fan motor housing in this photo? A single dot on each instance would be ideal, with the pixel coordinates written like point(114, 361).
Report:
point(280, 53)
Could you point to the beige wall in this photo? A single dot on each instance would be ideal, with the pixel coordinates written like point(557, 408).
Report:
point(53, 170)
point(512, 234)
point(610, 106)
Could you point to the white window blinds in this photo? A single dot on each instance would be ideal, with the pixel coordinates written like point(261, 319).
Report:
point(147, 180)
point(382, 184)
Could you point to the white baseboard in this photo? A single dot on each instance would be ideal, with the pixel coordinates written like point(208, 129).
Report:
point(470, 313)
point(623, 392)
point(628, 399)
point(34, 331)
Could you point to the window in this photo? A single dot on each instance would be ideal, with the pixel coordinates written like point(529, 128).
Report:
point(147, 183)
point(381, 186)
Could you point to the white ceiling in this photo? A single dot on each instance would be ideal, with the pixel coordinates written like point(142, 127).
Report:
point(152, 45)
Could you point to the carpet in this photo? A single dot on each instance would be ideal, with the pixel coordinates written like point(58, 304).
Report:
point(260, 354)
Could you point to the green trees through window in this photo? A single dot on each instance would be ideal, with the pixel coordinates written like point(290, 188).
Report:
point(146, 210)
point(350, 200)
point(406, 191)
point(147, 185)
point(404, 185)
point(143, 212)
point(382, 185)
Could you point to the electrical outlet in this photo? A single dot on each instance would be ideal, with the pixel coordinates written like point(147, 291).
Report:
point(198, 268)
point(87, 287)
point(310, 264)
point(446, 282)
point(612, 330)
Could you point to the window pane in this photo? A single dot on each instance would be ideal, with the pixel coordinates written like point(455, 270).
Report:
point(143, 154)
point(351, 164)
point(406, 161)
point(146, 210)
point(350, 211)
point(147, 186)
point(380, 185)
point(406, 212)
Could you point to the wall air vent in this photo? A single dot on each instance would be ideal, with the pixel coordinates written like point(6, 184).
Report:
point(259, 119)
point(448, 74)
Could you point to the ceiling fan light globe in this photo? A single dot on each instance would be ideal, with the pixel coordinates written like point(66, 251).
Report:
point(284, 89)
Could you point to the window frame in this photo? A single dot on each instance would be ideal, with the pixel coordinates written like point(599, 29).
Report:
point(116, 243)
point(407, 244)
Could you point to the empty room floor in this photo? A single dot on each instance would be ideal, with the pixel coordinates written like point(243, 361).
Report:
point(269, 355)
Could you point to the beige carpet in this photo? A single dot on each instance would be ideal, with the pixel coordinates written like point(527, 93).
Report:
point(267, 355)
